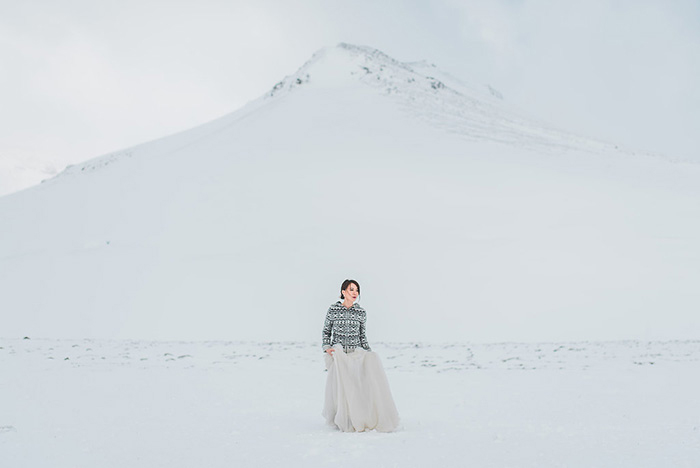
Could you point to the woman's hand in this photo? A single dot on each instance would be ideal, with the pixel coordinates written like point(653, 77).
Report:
point(330, 351)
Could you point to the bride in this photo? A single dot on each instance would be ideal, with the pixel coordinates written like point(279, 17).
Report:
point(358, 397)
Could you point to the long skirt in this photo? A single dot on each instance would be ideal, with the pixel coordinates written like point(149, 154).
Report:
point(358, 397)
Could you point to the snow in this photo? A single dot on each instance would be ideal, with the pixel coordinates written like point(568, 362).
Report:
point(116, 403)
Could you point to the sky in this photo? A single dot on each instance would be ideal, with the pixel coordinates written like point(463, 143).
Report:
point(82, 78)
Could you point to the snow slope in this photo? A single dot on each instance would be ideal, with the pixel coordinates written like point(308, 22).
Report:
point(460, 218)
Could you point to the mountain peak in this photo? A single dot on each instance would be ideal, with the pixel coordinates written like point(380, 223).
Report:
point(477, 112)
point(349, 64)
point(334, 65)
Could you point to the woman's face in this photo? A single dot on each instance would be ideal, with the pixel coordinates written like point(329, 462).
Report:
point(351, 292)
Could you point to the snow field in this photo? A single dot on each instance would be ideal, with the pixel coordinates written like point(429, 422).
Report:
point(115, 403)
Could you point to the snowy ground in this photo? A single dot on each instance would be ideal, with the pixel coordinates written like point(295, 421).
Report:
point(102, 403)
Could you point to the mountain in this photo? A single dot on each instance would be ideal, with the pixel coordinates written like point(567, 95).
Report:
point(461, 219)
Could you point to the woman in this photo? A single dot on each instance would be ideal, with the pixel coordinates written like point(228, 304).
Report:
point(358, 397)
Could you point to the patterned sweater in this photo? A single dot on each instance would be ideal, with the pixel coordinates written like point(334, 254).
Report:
point(347, 327)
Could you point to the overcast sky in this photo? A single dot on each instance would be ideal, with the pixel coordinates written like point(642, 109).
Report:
point(83, 78)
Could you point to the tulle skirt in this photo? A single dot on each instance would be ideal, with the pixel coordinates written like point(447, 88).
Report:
point(358, 397)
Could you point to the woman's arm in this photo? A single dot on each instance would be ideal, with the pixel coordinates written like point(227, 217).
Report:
point(327, 329)
point(363, 337)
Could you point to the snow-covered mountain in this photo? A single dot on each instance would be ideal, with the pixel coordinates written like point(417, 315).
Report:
point(461, 218)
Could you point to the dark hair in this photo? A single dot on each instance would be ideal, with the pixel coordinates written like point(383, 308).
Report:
point(345, 285)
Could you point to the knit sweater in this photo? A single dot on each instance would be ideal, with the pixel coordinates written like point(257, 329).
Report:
point(345, 326)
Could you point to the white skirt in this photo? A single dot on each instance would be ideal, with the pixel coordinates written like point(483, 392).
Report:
point(358, 397)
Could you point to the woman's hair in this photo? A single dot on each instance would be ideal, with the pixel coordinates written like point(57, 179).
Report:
point(345, 285)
